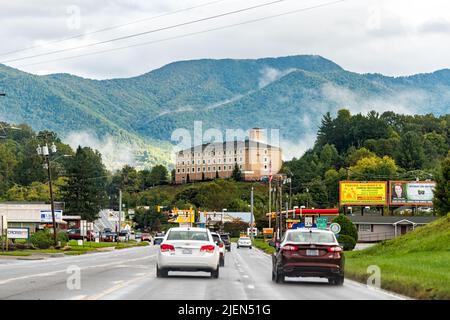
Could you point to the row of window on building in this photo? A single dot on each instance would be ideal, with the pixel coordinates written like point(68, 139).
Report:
point(207, 169)
point(219, 161)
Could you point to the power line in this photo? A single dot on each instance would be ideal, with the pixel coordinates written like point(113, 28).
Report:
point(190, 34)
point(114, 27)
point(146, 32)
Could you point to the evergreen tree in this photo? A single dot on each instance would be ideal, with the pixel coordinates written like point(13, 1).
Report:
point(411, 155)
point(85, 192)
point(441, 201)
point(236, 175)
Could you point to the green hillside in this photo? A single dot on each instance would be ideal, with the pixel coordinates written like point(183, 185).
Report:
point(290, 93)
point(415, 264)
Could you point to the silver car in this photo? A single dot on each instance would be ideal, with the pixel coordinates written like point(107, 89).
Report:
point(188, 249)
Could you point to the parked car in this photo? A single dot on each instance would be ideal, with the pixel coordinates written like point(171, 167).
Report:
point(308, 253)
point(226, 240)
point(108, 236)
point(138, 235)
point(157, 241)
point(124, 235)
point(146, 237)
point(188, 249)
point(221, 246)
point(75, 234)
point(245, 242)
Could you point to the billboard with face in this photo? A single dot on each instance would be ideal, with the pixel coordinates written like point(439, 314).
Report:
point(412, 192)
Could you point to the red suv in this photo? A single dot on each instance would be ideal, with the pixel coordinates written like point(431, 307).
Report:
point(308, 253)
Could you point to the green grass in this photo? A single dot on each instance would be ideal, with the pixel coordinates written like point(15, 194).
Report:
point(415, 264)
point(264, 246)
point(74, 253)
point(15, 254)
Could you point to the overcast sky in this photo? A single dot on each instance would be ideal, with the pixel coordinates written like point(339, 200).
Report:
point(393, 37)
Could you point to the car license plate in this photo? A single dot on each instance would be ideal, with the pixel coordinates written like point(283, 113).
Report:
point(312, 252)
point(187, 251)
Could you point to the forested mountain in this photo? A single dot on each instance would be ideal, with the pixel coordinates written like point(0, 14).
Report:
point(290, 93)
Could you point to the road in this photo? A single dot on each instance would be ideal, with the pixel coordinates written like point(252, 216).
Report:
point(130, 274)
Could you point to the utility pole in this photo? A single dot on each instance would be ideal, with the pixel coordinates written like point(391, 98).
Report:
point(270, 202)
point(120, 213)
point(45, 152)
point(251, 215)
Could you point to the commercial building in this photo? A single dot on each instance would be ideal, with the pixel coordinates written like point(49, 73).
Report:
point(254, 158)
point(32, 215)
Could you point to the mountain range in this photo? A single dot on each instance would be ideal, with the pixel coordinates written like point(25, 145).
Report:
point(132, 119)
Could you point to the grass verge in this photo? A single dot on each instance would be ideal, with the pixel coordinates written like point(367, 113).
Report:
point(15, 254)
point(415, 264)
point(264, 246)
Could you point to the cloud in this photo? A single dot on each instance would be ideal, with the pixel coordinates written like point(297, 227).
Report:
point(403, 101)
point(297, 148)
point(269, 75)
point(114, 154)
point(436, 26)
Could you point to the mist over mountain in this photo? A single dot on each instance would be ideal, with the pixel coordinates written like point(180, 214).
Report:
point(133, 119)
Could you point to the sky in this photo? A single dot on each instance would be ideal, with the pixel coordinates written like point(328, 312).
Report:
point(392, 37)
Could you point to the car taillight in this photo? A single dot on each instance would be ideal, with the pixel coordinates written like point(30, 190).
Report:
point(221, 245)
point(208, 248)
point(334, 249)
point(167, 247)
point(289, 248)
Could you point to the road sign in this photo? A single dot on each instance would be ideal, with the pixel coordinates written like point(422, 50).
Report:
point(335, 228)
point(268, 231)
point(308, 222)
point(321, 222)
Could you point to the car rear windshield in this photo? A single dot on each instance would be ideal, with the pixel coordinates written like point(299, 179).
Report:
point(311, 237)
point(158, 240)
point(245, 239)
point(225, 237)
point(216, 237)
point(188, 235)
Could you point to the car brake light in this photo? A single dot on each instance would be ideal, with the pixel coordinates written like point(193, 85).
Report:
point(334, 249)
point(167, 247)
point(208, 248)
point(221, 245)
point(290, 248)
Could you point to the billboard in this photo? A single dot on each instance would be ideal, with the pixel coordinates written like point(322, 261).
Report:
point(363, 193)
point(418, 193)
point(185, 217)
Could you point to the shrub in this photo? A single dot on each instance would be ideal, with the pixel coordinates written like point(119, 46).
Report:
point(63, 238)
point(347, 227)
point(346, 241)
point(42, 239)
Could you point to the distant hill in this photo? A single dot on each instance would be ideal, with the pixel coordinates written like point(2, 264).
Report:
point(290, 93)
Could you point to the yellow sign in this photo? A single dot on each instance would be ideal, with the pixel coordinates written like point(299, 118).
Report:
point(362, 193)
point(267, 230)
point(185, 216)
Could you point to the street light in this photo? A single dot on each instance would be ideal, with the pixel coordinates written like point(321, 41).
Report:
point(44, 151)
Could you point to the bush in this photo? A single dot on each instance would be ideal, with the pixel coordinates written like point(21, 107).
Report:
point(42, 239)
point(347, 227)
point(63, 238)
point(346, 241)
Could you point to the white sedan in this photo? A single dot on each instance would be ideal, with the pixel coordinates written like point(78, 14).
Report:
point(244, 242)
point(188, 249)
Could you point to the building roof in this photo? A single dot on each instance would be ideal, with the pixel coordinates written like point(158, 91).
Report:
point(222, 145)
point(378, 219)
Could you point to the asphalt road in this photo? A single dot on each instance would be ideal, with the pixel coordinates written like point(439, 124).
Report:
point(130, 274)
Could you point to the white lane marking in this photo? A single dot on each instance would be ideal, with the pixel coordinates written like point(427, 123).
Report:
point(115, 288)
point(245, 276)
point(47, 274)
point(250, 286)
point(349, 283)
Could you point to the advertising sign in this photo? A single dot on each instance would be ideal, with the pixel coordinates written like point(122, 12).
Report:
point(18, 233)
point(268, 231)
point(46, 216)
point(418, 193)
point(185, 217)
point(362, 193)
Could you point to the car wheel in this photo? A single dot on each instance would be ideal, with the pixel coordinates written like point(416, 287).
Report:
point(215, 273)
point(273, 276)
point(238, 247)
point(279, 277)
point(222, 261)
point(339, 281)
point(161, 273)
point(250, 247)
